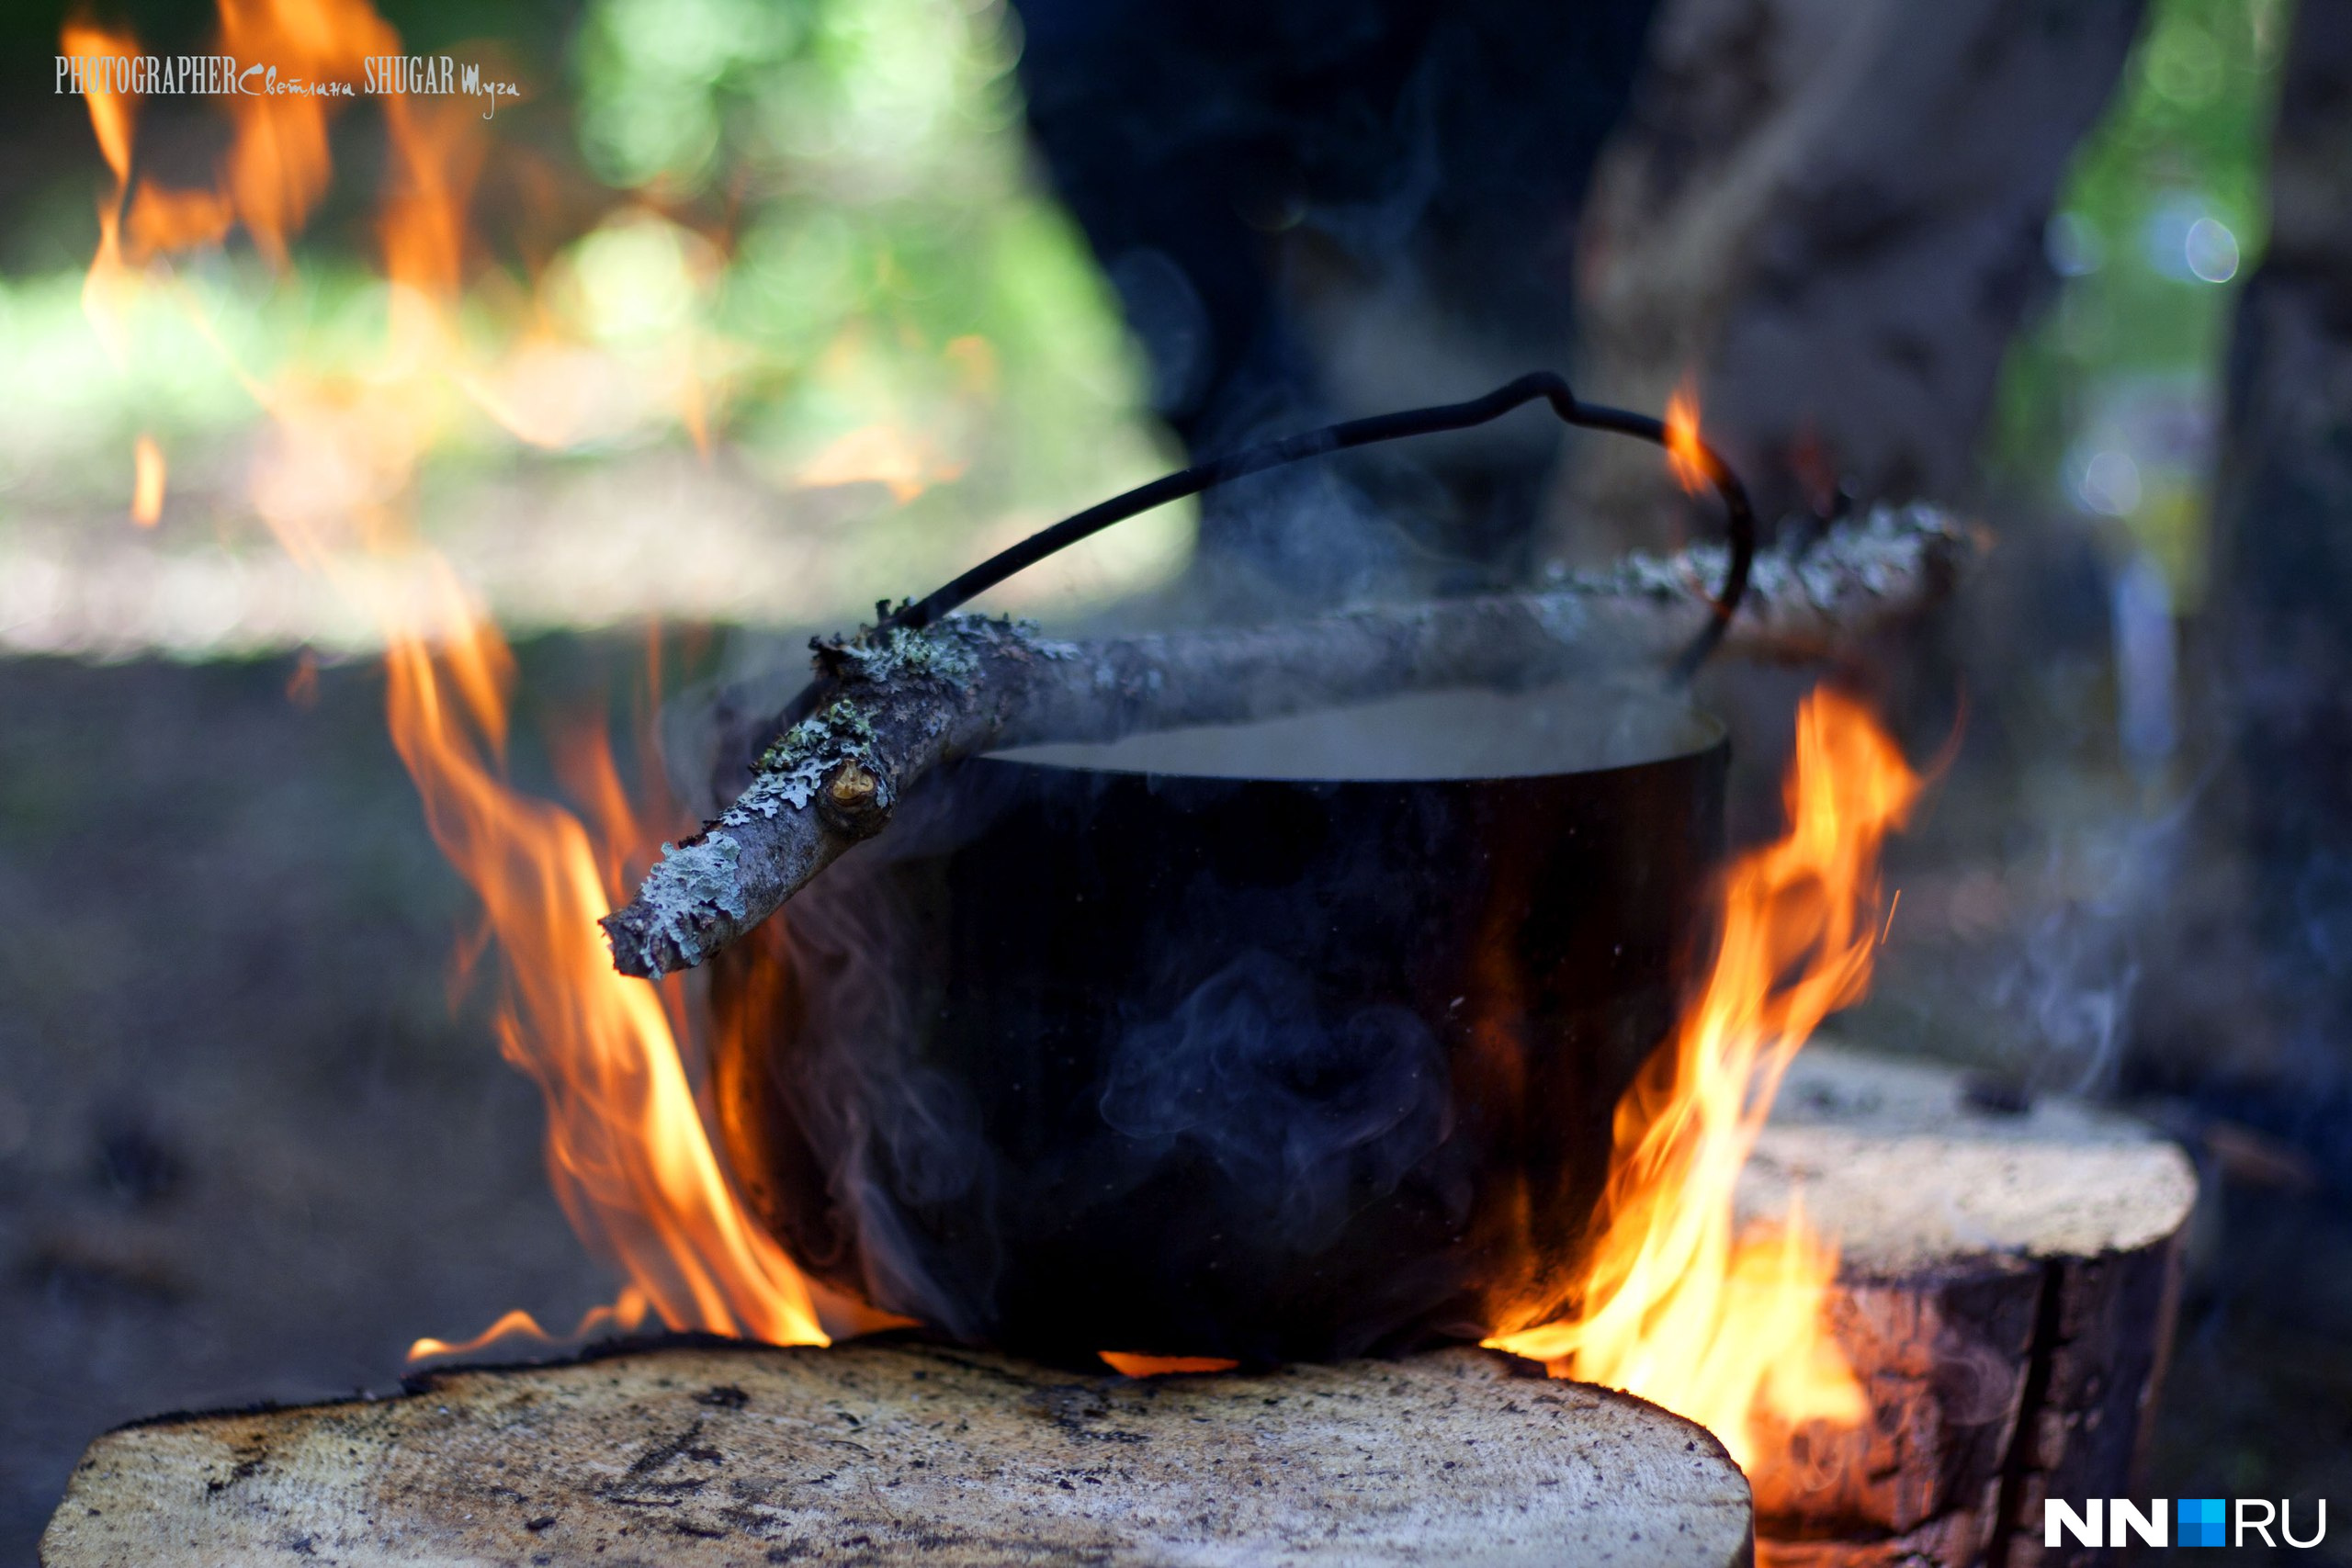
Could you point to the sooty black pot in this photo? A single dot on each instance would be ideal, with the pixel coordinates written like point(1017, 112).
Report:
point(1179, 1046)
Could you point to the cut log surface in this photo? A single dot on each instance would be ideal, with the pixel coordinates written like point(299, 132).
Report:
point(898, 1452)
point(2007, 1291)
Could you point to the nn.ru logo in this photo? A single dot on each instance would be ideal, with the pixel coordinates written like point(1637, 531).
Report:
point(2194, 1521)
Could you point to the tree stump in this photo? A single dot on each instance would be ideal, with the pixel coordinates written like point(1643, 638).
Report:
point(891, 1452)
point(2008, 1284)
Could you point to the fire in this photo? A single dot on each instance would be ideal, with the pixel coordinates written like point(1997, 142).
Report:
point(516, 1325)
point(278, 163)
point(146, 482)
point(626, 1315)
point(627, 1150)
point(882, 454)
point(1133, 1366)
point(109, 111)
point(1680, 1305)
point(108, 290)
point(1684, 454)
point(277, 168)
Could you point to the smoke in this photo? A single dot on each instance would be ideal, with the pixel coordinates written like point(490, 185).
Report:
point(1307, 1118)
point(1210, 1137)
point(2065, 992)
point(1316, 1117)
point(2068, 995)
point(889, 1131)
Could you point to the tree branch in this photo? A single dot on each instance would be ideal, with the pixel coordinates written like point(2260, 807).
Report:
point(898, 703)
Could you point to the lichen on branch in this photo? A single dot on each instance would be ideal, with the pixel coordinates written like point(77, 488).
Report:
point(892, 704)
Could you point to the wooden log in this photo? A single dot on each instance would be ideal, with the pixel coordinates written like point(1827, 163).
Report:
point(2007, 1286)
point(900, 1452)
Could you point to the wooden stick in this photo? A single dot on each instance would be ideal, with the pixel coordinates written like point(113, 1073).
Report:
point(896, 705)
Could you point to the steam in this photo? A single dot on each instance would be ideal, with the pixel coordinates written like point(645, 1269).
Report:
point(2067, 989)
point(1280, 1117)
point(889, 1131)
point(1309, 1118)
point(1317, 1117)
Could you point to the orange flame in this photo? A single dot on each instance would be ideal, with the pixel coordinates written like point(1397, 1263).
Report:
point(278, 163)
point(107, 288)
point(1684, 453)
point(424, 223)
point(627, 1150)
point(1678, 1304)
point(516, 1325)
point(158, 219)
point(1132, 1366)
point(277, 168)
point(519, 1329)
point(146, 482)
point(110, 113)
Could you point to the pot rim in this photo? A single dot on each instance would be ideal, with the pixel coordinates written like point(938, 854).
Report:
point(1470, 731)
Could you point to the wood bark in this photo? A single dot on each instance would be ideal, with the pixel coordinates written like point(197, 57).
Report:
point(883, 1453)
point(897, 706)
point(1828, 213)
point(2007, 1291)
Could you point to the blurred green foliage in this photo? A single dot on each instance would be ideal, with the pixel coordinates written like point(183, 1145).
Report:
point(816, 217)
point(876, 149)
point(2110, 402)
point(896, 275)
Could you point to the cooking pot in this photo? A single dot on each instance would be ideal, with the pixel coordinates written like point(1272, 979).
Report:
point(1295, 1040)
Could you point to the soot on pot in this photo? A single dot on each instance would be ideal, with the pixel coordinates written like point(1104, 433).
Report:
point(1291, 1040)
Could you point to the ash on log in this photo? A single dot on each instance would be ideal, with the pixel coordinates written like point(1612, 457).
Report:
point(883, 1453)
point(2008, 1284)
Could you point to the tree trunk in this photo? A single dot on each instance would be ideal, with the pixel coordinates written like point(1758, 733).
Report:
point(1323, 208)
point(2280, 616)
point(1829, 212)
